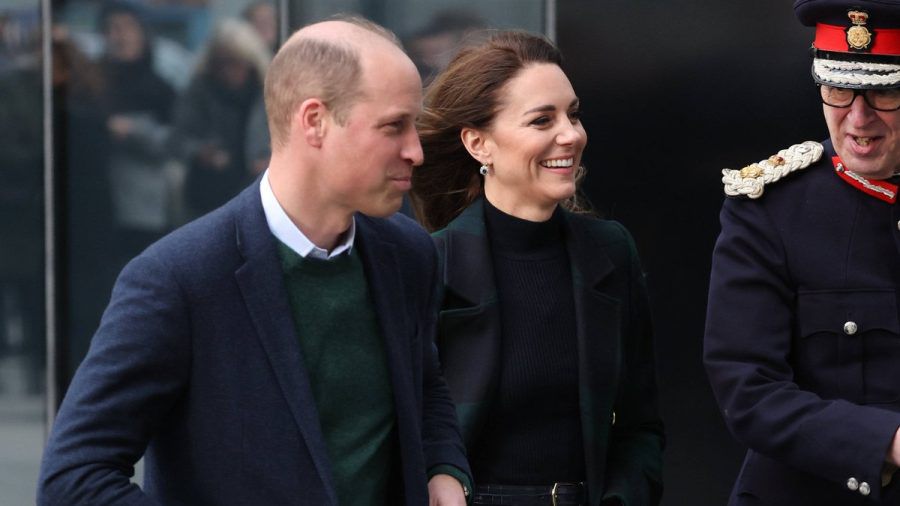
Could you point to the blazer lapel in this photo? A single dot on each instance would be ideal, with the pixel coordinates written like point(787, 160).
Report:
point(383, 275)
point(598, 316)
point(261, 283)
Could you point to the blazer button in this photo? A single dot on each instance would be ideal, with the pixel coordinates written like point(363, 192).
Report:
point(614, 418)
point(850, 328)
point(898, 225)
point(852, 484)
point(864, 488)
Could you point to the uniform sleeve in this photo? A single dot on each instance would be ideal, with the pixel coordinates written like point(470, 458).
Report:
point(634, 469)
point(747, 354)
point(135, 371)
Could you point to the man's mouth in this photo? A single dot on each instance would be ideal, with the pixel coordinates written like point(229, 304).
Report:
point(862, 141)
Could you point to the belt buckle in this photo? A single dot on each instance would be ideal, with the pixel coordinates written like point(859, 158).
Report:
point(555, 490)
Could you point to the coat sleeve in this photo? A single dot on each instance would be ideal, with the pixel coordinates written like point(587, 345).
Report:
point(634, 466)
point(747, 354)
point(134, 373)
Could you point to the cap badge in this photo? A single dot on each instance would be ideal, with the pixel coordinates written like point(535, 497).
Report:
point(859, 38)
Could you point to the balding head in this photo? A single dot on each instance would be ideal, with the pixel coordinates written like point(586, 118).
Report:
point(324, 60)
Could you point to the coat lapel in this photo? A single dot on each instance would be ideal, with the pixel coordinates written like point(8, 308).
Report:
point(470, 316)
point(261, 282)
point(598, 317)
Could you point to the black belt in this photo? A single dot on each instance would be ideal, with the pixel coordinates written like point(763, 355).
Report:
point(558, 494)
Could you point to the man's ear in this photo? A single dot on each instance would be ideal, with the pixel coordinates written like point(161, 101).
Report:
point(477, 143)
point(310, 121)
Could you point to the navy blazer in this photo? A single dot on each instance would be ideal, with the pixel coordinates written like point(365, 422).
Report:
point(197, 366)
point(816, 400)
point(622, 430)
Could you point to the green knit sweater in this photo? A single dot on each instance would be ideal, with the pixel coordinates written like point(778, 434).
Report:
point(344, 354)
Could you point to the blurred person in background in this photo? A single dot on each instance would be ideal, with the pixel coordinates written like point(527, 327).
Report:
point(139, 104)
point(432, 47)
point(212, 117)
point(263, 17)
point(81, 158)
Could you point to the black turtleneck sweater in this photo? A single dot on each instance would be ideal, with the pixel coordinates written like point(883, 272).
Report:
point(533, 436)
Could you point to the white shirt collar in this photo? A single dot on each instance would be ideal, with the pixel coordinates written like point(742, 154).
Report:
point(284, 229)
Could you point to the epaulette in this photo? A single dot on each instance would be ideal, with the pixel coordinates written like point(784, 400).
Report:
point(751, 180)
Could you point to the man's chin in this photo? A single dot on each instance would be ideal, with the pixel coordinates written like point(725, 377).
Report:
point(383, 209)
point(868, 167)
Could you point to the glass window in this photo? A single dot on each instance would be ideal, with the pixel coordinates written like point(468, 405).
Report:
point(431, 30)
point(22, 336)
point(153, 102)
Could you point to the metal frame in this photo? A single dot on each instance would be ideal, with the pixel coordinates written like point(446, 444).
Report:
point(550, 19)
point(283, 23)
point(50, 253)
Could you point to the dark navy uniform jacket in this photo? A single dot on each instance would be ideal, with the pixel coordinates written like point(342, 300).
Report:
point(802, 341)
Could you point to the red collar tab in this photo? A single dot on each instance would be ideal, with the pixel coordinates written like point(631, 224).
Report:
point(881, 190)
point(857, 39)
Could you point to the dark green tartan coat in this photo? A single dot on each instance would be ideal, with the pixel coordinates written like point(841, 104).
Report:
point(622, 431)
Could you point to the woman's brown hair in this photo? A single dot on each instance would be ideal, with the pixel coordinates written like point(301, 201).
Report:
point(466, 94)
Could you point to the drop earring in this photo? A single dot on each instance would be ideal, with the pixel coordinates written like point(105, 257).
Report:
point(485, 168)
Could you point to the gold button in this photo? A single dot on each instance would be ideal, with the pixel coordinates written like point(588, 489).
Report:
point(614, 418)
point(852, 484)
point(850, 328)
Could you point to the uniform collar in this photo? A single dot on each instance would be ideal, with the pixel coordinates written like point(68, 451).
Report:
point(880, 189)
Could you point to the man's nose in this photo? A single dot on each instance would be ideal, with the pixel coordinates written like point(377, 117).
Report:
point(860, 112)
point(412, 150)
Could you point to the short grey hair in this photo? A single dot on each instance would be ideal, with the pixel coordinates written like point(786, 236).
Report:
point(307, 67)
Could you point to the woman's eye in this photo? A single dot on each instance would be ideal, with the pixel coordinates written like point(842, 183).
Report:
point(575, 116)
point(543, 120)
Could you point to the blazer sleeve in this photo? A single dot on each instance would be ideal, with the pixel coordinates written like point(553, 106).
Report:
point(747, 349)
point(135, 371)
point(634, 466)
point(442, 440)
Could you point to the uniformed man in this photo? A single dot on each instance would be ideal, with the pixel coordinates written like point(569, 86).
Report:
point(802, 341)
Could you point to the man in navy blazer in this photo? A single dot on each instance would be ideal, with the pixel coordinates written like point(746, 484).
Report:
point(802, 340)
point(198, 365)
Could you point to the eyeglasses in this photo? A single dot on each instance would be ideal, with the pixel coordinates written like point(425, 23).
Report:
point(885, 100)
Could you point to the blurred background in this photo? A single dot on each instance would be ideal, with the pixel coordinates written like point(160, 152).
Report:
point(121, 120)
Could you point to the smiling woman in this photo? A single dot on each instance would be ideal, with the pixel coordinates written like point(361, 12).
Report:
point(544, 333)
point(533, 145)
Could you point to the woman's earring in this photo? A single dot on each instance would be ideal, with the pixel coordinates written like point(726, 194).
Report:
point(485, 168)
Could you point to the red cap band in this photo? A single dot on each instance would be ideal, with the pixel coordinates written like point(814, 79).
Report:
point(834, 38)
